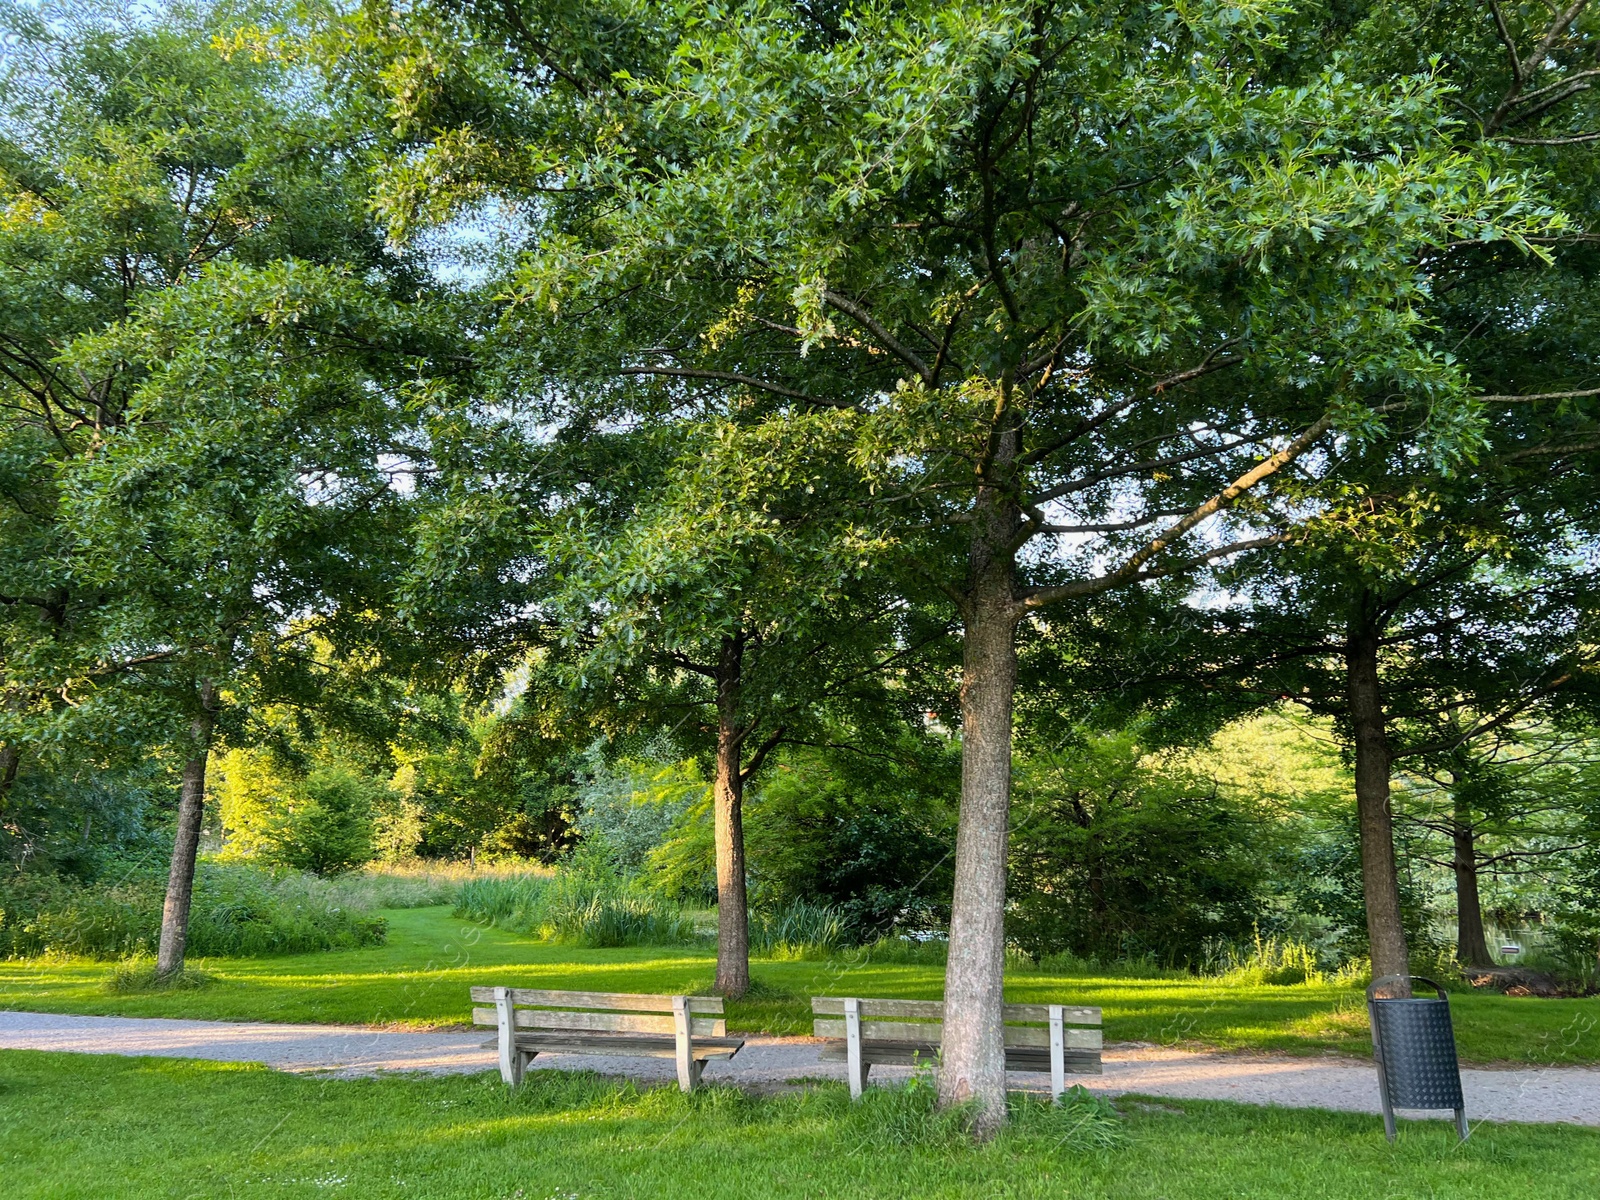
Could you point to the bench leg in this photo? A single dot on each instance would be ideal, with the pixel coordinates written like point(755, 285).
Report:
point(688, 1070)
point(855, 1069)
point(1058, 1054)
point(510, 1060)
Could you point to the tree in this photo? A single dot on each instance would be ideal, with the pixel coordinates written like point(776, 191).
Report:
point(1081, 283)
point(692, 594)
point(1523, 329)
point(1511, 802)
point(199, 355)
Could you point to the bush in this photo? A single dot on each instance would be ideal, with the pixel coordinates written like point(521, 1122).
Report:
point(237, 910)
point(868, 837)
point(1115, 856)
point(324, 824)
point(1572, 952)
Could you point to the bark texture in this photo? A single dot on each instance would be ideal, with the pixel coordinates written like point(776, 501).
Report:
point(1472, 946)
point(733, 917)
point(1379, 875)
point(972, 1059)
point(185, 846)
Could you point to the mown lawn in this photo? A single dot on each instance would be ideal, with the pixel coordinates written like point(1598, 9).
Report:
point(102, 1127)
point(420, 978)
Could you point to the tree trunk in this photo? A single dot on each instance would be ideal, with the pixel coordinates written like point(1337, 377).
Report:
point(1472, 947)
point(973, 1064)
point(1380, 879)
point(733, 917)
point(10, 760)
point(185, 846)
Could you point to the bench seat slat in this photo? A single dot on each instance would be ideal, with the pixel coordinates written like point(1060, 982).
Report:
point(1018, 1058)
point(546, 1018)
point(627, 1045)
point(883, 1031)
point(624, 1001)
point(933, 1010)
point(1041, 1013)
point(833, 1006)
point(931, 1032)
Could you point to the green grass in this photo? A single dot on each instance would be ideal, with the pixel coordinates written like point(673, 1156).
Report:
point(103, 1127)
point(420, 978)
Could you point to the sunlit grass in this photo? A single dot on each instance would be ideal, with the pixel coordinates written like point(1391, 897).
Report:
point(113, 1128)
point(420, 979)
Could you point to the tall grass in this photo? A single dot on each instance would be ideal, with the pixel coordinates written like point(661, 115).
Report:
point(418, 883)
point(237, 910)
point(797, 930)
point(578, 910)
point(1283, 962)
point(599, 910)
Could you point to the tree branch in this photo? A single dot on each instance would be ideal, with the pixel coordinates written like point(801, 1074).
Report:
point(1587, 392)
point(1040, 597)
point(776, 389)
point(760, 756)
point(1133, 569)
point(1574, 140)
point(890, 343)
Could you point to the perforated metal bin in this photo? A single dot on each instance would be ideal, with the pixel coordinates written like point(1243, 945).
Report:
point(1414, 1044)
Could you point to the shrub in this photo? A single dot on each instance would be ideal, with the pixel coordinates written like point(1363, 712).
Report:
point(868, 837)
point(324, 824)
point(1116, 855)
point(240, 911)
point(62, 916)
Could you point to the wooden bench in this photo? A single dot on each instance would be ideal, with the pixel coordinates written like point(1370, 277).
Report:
point(690, 1029)
point(1038, 1037)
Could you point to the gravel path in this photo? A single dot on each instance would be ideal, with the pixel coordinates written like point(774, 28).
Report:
point(1569, 1095)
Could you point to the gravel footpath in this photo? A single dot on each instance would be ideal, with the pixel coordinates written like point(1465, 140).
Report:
point(1570, 1095)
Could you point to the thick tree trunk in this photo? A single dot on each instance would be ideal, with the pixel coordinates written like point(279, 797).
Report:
point(186, 845)
point(1472, 947)
point(1379, 876)
point(972, 1065)
point(733, 916)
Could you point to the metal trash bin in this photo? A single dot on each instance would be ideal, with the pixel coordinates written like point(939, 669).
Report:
point(1414, 1045)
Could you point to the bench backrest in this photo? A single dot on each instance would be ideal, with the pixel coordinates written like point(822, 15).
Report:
point(923, 1021)
point(603, 1012)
